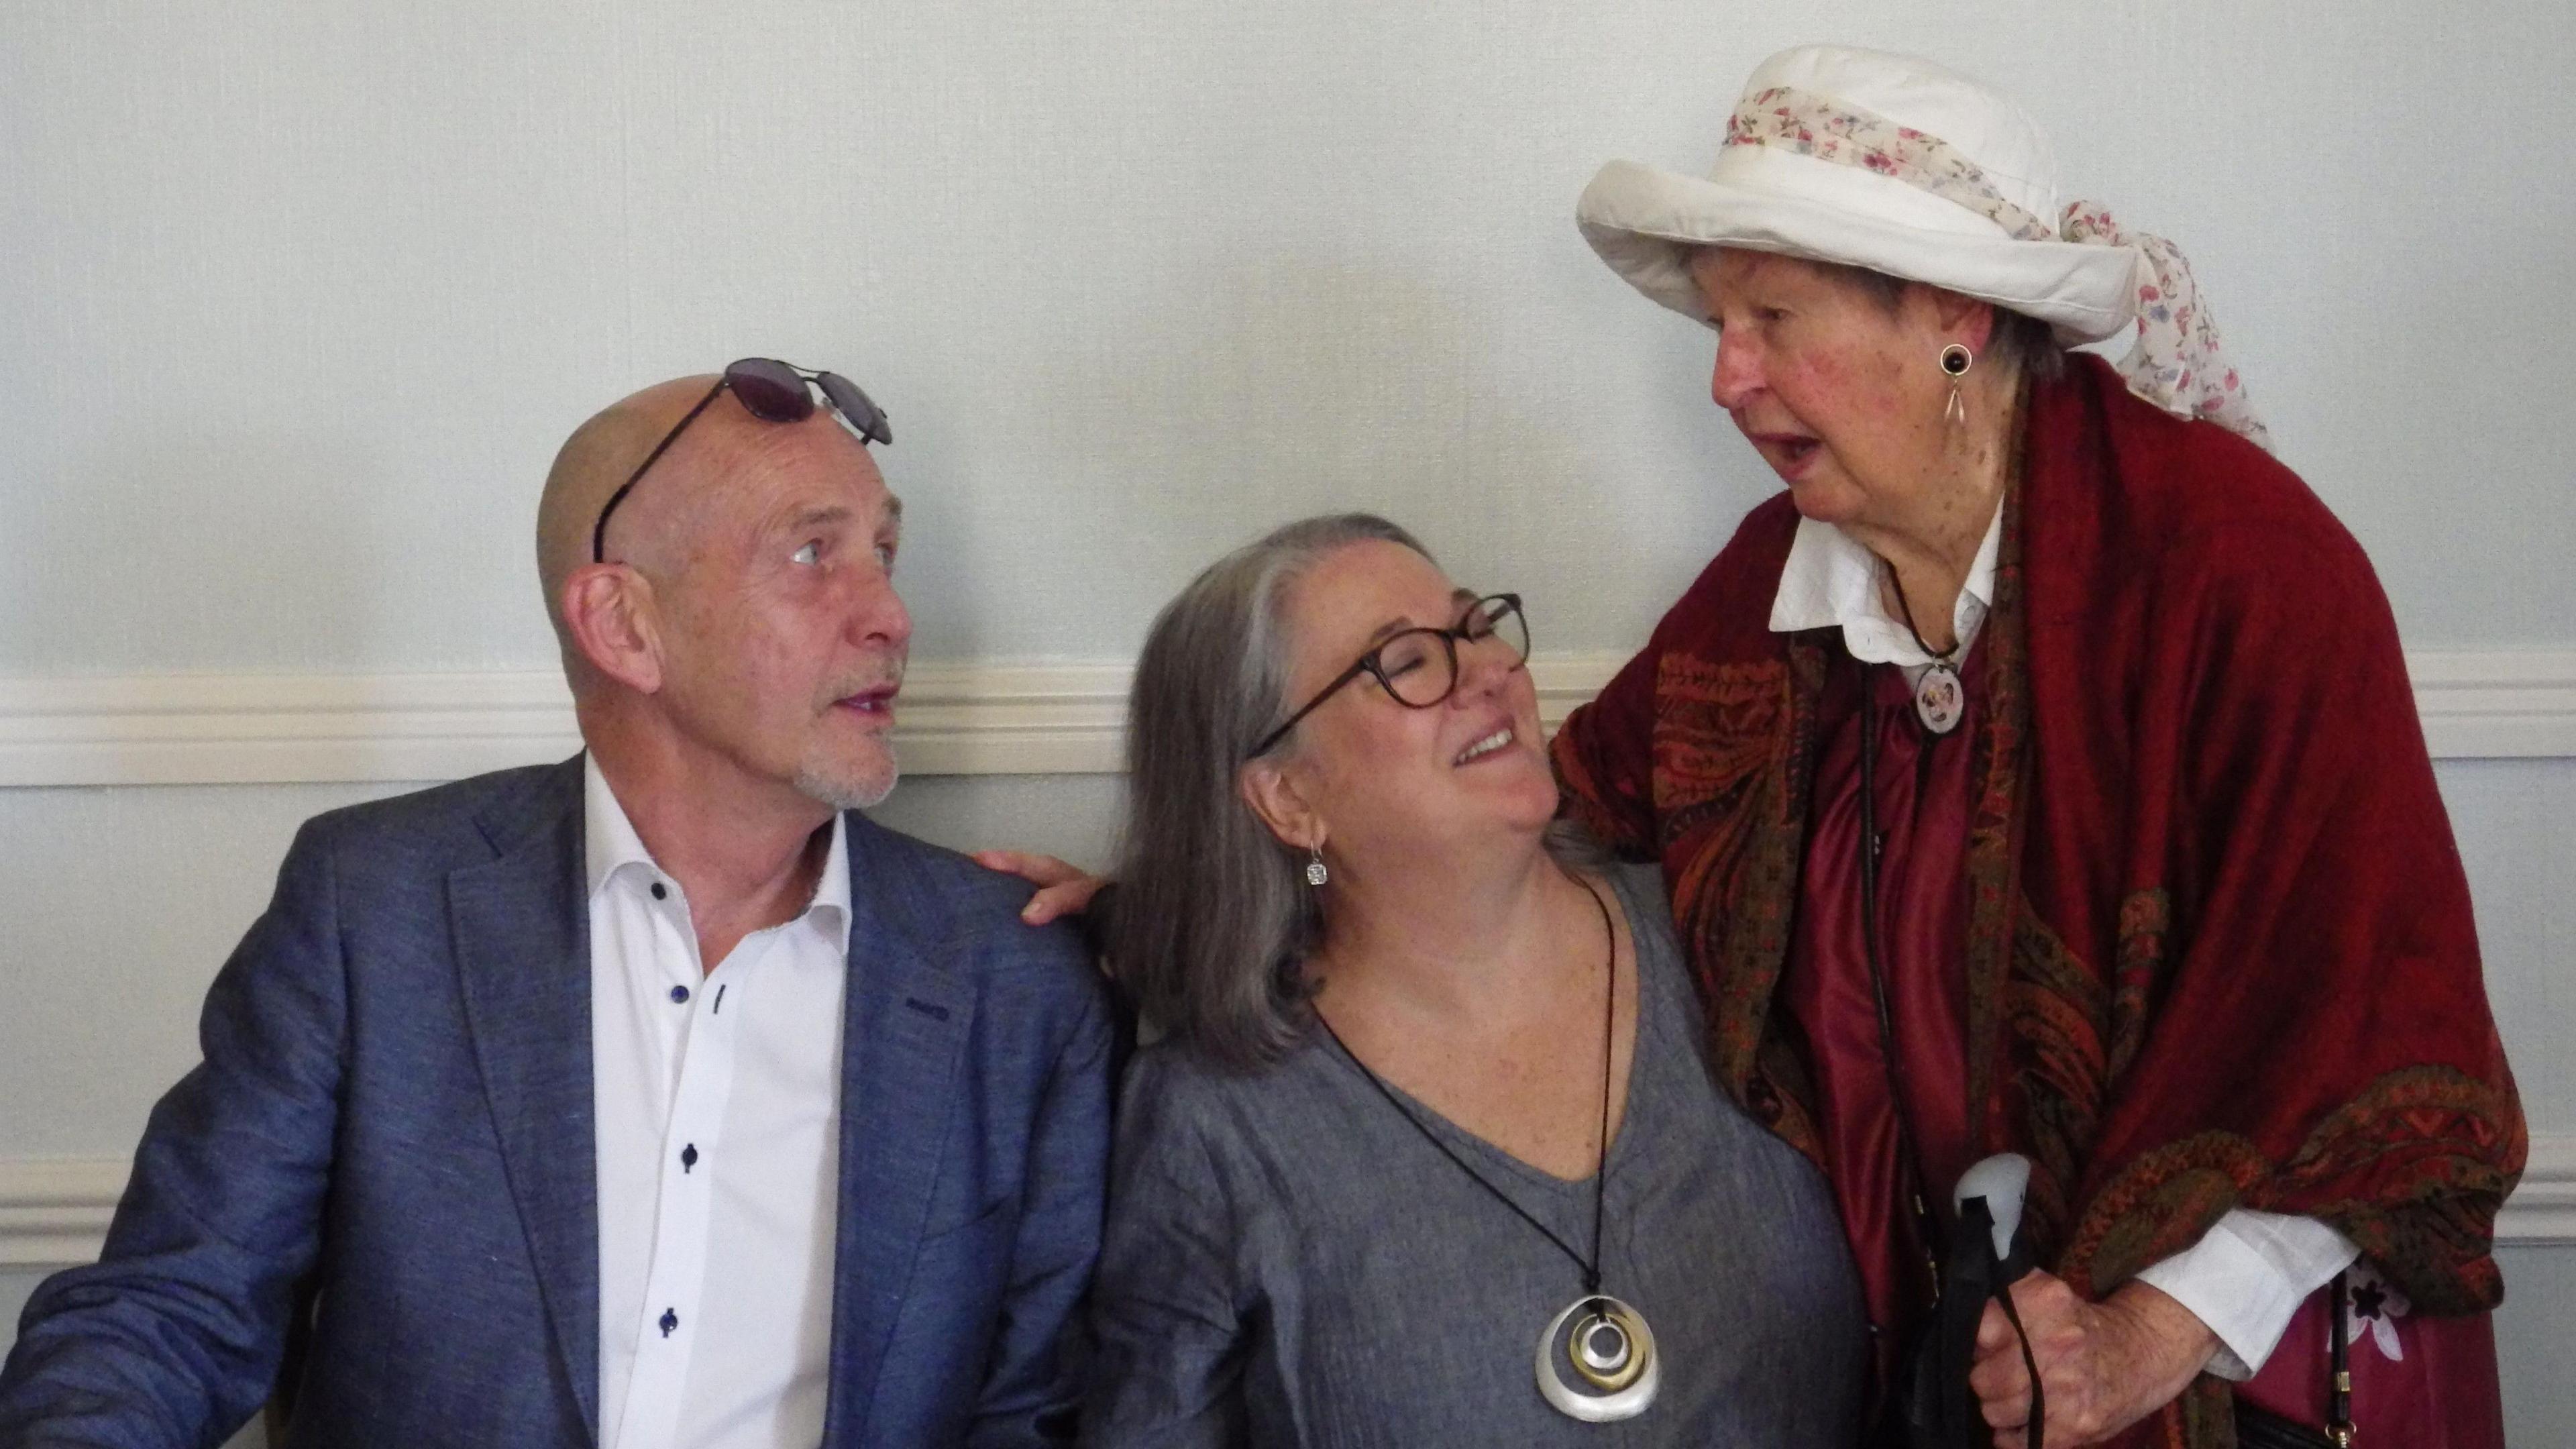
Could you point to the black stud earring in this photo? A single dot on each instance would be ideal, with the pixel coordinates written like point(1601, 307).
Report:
point(1956, 359)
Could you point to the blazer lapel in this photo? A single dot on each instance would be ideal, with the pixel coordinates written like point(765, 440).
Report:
point(522, 933)
point(905, 1025)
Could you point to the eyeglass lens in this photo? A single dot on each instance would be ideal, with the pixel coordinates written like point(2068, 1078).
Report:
point(1420, 665)
point(770, 390)
point(856, 407)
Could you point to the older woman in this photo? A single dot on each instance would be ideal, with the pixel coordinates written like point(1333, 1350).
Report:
point(2040, 774)
point(1433, 1104)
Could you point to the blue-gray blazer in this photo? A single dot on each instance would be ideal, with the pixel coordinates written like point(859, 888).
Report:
point(392, 1131)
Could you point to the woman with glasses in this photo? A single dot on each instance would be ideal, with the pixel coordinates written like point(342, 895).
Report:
point(1429, 1150)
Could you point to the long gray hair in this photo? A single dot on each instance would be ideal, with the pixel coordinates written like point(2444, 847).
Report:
point(1214, 921)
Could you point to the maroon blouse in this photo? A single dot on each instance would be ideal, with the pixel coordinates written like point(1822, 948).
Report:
point(1923, 788)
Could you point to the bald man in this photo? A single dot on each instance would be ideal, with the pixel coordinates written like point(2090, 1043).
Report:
point(651, 1100)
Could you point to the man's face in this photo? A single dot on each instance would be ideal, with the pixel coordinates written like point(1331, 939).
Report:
point(783, 640)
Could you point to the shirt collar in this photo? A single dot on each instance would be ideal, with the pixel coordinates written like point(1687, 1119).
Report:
point(1831, 581)
point(611, 850)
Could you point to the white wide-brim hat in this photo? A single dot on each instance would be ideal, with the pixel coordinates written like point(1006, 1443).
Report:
point(1769, 197)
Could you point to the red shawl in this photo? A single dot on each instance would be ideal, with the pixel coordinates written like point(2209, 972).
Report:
point(2220, 952)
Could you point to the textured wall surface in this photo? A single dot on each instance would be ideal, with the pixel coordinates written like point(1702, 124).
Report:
point(301, 296)
point(297, 298)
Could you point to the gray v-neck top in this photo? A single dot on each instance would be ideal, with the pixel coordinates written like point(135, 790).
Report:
point(1288, 1262)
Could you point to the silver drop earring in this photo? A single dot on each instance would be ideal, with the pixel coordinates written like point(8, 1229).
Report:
point(1956, 359)
point(1315, 873)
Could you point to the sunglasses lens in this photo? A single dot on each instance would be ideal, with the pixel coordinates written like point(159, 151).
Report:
point(856, 408)
point(770, 390)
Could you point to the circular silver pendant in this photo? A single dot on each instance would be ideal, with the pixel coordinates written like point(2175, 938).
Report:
point(1611, 1353)
point(1940, 701)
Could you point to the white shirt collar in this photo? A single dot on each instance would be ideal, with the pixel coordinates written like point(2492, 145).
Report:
point(612, 850)
point(1831, 580)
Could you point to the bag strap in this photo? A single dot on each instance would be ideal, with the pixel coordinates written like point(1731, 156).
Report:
point(2038, 1423)
point(2339, 1426)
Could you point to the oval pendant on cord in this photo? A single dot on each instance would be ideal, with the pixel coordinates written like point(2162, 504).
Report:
point(1612, 1353)
point(1940, 700)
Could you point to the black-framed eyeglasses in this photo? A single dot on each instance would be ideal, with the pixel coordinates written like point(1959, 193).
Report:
point(772, 391)
point(1418, 667)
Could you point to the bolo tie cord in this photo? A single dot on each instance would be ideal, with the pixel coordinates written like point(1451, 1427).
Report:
point(1926, 1224)
point(1907, 609)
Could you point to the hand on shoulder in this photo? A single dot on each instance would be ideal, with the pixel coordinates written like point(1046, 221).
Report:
point(1064, 889)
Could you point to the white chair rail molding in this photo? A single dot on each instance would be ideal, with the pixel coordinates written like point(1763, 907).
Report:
point(953, 719)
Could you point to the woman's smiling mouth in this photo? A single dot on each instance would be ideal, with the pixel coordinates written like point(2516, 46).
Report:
point(1486, 746)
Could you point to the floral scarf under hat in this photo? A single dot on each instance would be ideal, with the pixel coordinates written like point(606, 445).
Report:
point(2176, 361)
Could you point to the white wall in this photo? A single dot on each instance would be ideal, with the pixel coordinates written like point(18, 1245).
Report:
point(300, 297)
point(296, 300)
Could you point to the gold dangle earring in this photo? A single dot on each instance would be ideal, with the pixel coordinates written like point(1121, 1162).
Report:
point(1956, 359)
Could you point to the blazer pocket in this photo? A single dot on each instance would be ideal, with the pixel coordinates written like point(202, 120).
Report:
point(972, 1263)
point(997, 1215)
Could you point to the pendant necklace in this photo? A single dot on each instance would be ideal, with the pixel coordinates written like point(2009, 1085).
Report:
point(1940, 700)
point(1604, 1341)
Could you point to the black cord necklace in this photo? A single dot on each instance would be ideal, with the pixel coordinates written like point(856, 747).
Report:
point(1940, 701)
point(1606, 1342)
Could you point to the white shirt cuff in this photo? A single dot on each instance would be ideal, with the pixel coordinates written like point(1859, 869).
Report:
point(2246, 1277)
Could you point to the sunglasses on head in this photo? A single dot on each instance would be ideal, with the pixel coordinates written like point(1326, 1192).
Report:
point(772, 391)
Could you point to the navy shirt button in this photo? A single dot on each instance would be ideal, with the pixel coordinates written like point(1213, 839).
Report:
point(661, 891)
point(679, 993)
point(670, 1320)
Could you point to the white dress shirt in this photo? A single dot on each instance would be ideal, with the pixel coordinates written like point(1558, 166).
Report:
point(718, 1102)
point(2251, 1270)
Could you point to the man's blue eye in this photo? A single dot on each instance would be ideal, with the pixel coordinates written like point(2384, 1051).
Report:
point(812, 552)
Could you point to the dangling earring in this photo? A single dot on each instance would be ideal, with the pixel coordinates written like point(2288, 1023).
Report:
point(1956, 359)
point(1315, 873)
